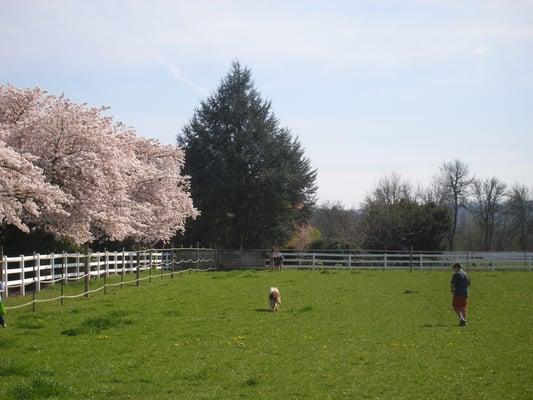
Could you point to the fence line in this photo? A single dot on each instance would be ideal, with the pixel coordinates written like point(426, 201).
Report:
point(103, 287)
point(408, 260)
point(25, 273)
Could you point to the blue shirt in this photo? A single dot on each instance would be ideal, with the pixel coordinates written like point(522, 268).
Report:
point(460, 283)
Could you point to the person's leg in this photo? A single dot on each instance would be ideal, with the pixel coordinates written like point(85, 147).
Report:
point(458, 307)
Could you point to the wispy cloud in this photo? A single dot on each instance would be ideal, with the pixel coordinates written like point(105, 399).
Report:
point(178, 76)
point(481, 50)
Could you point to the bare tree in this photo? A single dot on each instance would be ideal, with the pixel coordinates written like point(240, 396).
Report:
point(391, 190)
point(433, 193)
point(488, 194)
point(337, 223)
point(519, 206)
point(455, 181)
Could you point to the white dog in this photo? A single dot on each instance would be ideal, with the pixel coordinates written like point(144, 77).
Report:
point(275, 299)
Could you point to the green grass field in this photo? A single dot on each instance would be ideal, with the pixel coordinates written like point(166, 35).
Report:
point(339, 335)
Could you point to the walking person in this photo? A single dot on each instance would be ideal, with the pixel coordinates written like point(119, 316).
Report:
point(460, 283)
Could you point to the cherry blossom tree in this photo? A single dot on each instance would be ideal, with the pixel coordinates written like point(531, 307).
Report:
point(24, 192)
point(110, 183)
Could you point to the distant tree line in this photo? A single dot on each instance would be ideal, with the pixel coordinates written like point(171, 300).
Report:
point(456, 211)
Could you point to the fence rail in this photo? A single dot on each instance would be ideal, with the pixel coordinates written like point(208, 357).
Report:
point(24, 273)
point(407, 260)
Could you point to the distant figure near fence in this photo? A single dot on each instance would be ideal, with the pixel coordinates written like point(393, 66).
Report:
point(276, 260)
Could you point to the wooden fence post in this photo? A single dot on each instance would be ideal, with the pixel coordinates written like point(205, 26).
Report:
point(64, 268)
point(34, 284)
point(3, 272)
point(150, 265)
point(172, 263)
point(64, 273)
point(106, 261)
point(131, 263)
point(87, 270)
point(123, 268)
point(23, 284)
point(77, 267)
point(410, 258)
point(38, 272)
point(384, 260)
point(138, 274)
point(98, 265)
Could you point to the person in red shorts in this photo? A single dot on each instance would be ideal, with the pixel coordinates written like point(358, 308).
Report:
point(460, 283)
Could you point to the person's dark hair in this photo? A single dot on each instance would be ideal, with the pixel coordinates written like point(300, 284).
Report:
point(457, 265)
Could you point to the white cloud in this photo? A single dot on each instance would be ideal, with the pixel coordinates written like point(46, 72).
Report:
point(176, 73)
point(128, 33)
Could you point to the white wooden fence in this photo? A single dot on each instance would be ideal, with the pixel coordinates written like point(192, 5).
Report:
point(24, 273)
point(406, 260)
point(21, 272)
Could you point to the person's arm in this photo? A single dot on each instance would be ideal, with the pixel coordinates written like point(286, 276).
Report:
point(452, 283)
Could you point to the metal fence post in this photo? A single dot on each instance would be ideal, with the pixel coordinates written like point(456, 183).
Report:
point(384, 260)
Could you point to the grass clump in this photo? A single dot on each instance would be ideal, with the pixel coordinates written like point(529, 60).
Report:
point(40, 387)
point(10, 367)
point(98, 324)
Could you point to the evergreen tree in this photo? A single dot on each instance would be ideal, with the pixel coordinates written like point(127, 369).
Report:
point(249, 177)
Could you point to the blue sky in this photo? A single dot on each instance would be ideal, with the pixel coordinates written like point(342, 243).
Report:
point(369, 87)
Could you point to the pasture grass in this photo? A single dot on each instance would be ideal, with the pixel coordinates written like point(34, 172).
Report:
point(360, 334)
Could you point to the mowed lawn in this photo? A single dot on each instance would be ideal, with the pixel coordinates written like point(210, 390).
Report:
point(339, 335)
